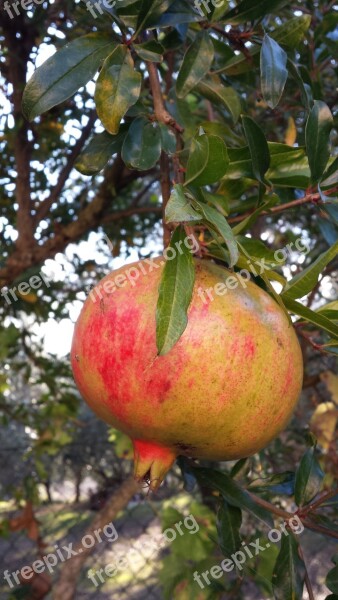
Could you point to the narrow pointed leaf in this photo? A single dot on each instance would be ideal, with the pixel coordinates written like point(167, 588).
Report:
point(179, 209)
point(168, 139)
point(175, 295)
point(198, 158)
point(142, 145)
point(145, 10)
point(331, 174)
point(250, 10)
point(229, 521)
point(305, 90)
point(289, 571)
point(231, 492)
point(208, 160)
point(258, 146)
point(292, 32)
point(151, 51)
point(196, 63)
point(273, 71)
point(303, 283)
point(217, 164)
point(222, 227)
point(312, 317)
point(215, 91)
point(99, 150)
point(61, 75)
point(118, 88)
point(309, 478)
point(317, 135)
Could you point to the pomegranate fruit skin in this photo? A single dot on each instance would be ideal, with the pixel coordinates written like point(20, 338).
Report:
point(223, 392)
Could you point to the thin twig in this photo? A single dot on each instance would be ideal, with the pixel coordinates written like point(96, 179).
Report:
point(166, 188)
point(315, 198)
point(270, 507)
point(306, 577)
point(162, 116)
point(323, 498)
point(319, 528)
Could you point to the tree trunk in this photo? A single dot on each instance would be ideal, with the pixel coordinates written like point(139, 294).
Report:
point(65, 587)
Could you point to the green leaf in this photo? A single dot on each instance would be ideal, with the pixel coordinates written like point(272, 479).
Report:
point(231, 492)
point(142, 145)
point(151, 51)
point(61, 75)
point(250, 10)
point(289, 166)
point(332, 580)
point(208, 160)
point(329, 310)
point(198, 158)
point(289, 571)
point(175, 294)
point(180, 12)
point(99, 150)
point(215, 91)
point(258, 146)
point(303, 283)
point(309, 478)
point(273, 71)
point(179, 209)
point(281, 483)
point(128, 12)
point(145, 13)
point(168, 139)
point(312, 317)
point(317, 135)
point(196, 64)
point(289, 34)
point(117, 89)
point(229, 521)
point(330, 175)
point(292, 32)
point(305, 90)
point(219, 224)
point(256, 249)
point(248, 222)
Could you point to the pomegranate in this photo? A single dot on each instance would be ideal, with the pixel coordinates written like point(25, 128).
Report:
point(223, 392)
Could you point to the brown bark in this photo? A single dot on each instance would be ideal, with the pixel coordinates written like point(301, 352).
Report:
point(162, 116)
point(15, 69)
point(65, 587)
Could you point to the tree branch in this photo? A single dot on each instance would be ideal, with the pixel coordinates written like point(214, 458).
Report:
point(15, 68)
point(314, 198)
point(65, 587)
point(164, 117)
point(161, 113)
